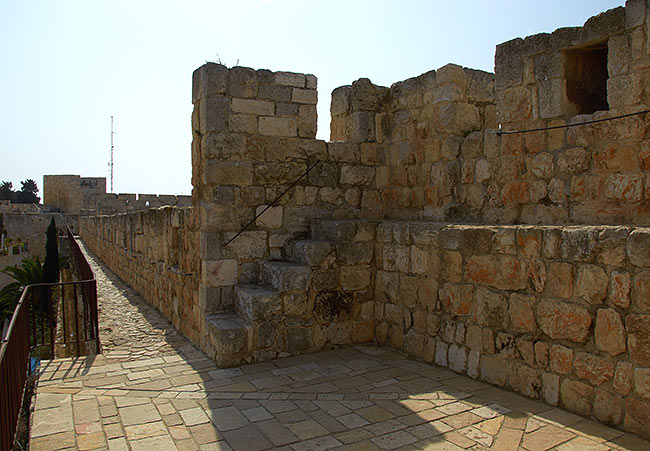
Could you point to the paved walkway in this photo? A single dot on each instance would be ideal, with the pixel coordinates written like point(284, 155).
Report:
point(153, 391)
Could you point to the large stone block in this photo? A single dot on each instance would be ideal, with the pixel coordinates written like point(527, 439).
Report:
point(491, 309)
point(638, 248)
point(278, 126)
point(494, 370)
point(561, 320)
point(560, 280)
point(638, 338)
point(576, 396)
point(595, 369)
point(507, 273)
point(219, 273)
point(357, 175)
point(308, 96)
point(250, 106)
point(238, 173)
point(609, 333)
point(522, 315)
point(213, 114)
point(457, 299)
point(591, 283)
point(607, 407)
point(619, 289)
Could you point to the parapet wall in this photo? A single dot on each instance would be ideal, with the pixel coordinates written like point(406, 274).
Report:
point(156, 253)
point(560, 314)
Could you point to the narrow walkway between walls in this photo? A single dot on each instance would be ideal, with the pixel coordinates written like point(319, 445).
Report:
point(152, 390)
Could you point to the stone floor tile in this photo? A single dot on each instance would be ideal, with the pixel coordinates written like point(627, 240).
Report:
point(179, 433)
point(276, 432)
point(316, 444)
point(193, 416)
point(594, 431)
point(118, 444)
point(257, 414)
point(90, 441)
point(227, 418)
point(52, 421)
point(459, 440)
point(438, 445)
point(53, 442)
point(352, 420)
point(545, 438)
point(375, 414)
point(217, 446)
point(163, 442)
point(508, 439)
point(454, 408)
point(394, 440)
point(138, 414)
point(476, 435)
point(247, 438)
point(353, 435)
point(307, 429)
point(461, 420)
point(205, 433)
point(582, 444)
point(140, 431)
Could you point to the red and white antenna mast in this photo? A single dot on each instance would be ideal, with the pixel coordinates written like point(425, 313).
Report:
point(110, 164)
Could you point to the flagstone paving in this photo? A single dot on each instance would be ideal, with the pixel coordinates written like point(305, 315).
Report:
point(360, 398)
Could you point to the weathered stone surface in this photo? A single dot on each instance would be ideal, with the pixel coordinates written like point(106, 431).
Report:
point(457, 299)
point(638, 338)
point(576, 396)
point(560, 280)
point(457, 357)
point(494, 370)
point(277, 126)
point(609, 333)
point(637, 415)
point(491, 309)
point(619, 289)
point(522, 316)
point(574, 160)
point(551, 388)
point(219, 273)
point(591, 283)
point(593, 368)
point(608, 407)
point(561, 320)
point(623, 378)
point(642, 382)
point(561, 359)
point(641, 291)
point(507, 273)
point(250, 106)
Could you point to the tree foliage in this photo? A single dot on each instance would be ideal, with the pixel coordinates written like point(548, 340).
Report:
point(29, 272)
point(51, 264)
point(28, 193)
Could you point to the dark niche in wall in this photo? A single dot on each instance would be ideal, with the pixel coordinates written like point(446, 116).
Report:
point(586, 77)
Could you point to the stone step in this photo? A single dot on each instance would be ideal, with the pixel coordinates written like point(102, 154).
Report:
point(257, 303)
point(285, 276)
point(231, 338)
point(309, 252)
point(338, 230)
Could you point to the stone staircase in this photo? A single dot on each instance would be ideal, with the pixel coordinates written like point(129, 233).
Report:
point(260, 323)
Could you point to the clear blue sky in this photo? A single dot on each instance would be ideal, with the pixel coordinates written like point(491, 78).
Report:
point(67, 66)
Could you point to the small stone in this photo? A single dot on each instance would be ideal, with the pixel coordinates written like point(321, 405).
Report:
point(623, 378)
point(593, 368)
point(560, 320)
point(609, 333)
point(638, 338)
point(641, 290)
point(591, 283)
point(575, 396)
point(619, 289)
point(561, 359)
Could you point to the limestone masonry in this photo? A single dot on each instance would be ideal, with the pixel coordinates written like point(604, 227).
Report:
point(518, 259)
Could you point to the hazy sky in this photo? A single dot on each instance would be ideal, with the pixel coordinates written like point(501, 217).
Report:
point(67, 66)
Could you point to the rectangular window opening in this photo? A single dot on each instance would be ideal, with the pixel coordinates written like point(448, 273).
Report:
point(586, 78)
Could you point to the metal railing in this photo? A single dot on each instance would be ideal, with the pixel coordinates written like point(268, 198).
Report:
point(33, 326)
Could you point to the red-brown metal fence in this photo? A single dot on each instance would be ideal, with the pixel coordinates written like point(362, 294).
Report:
point(33, 326)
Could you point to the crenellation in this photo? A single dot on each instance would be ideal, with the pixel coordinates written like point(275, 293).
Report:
point(518, 259)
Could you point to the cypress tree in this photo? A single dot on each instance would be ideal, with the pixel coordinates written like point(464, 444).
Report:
point(51, 263)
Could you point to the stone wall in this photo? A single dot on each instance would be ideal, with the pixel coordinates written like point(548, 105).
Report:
point(31, 228)
point(156, 253)
point(560, 314)
point(74, 194)
point(594, 174)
